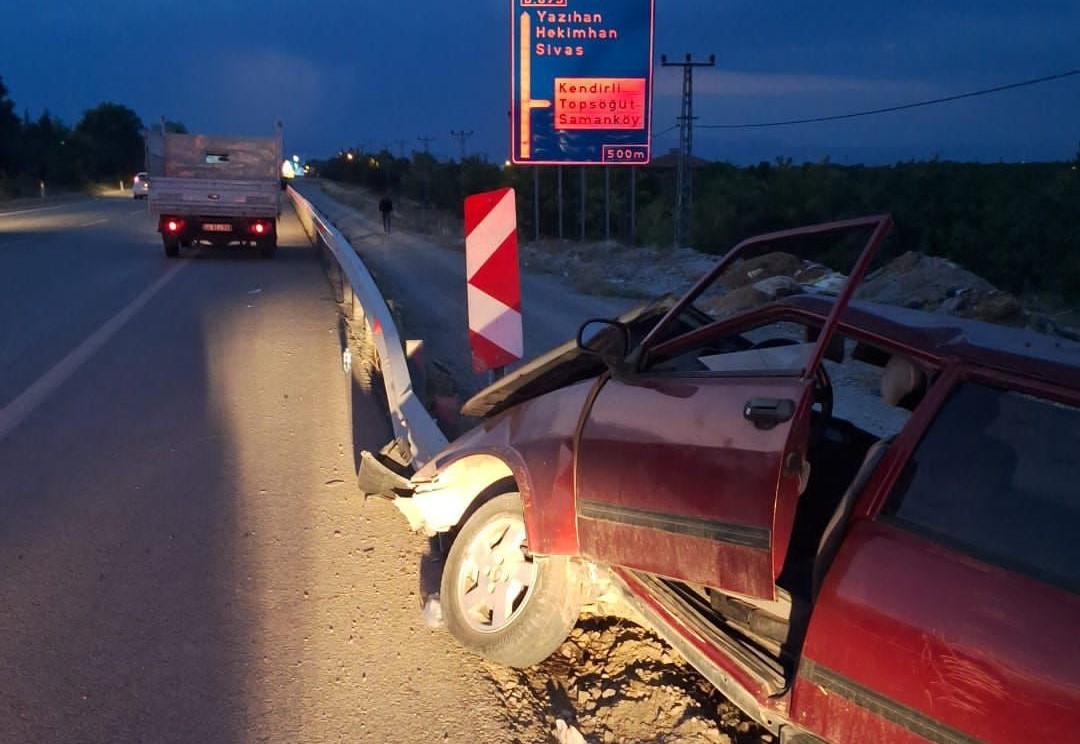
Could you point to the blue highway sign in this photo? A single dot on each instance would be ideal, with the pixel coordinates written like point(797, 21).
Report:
point(582, 81)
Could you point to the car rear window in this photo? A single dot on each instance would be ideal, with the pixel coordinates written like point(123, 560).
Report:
point(997, 475)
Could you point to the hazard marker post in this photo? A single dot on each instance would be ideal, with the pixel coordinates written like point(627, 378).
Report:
point(494, 283)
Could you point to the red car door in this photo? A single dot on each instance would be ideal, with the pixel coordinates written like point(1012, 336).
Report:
point(691, 467)
point(951, 616)
point(674, 480)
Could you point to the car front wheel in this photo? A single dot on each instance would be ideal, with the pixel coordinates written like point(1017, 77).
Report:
point(499, 600)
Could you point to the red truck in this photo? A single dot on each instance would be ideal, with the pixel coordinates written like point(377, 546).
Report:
point(858, 521)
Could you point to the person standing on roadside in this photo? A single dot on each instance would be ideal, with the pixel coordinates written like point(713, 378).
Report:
point(386, 206)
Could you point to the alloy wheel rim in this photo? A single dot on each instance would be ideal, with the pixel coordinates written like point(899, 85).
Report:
point(497, 576)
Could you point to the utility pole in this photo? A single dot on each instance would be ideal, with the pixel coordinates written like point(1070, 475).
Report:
point(607, 203)
point(684, 193)
point(581, 209)
point(559, 172)
point(462, 136)
point(427, 169)
point(536, 203)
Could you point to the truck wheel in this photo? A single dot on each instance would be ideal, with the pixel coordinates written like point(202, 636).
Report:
point(268, 248)
point(172, 247)
point(499, 600)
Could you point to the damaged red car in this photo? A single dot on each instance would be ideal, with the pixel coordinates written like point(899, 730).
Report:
point(858, 521)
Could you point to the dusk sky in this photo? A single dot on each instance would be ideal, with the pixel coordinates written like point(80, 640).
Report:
point(343, 73)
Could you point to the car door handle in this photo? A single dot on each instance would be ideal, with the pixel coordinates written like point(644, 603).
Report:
point(768, 412)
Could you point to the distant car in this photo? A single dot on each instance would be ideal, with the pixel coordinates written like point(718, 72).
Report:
point(858, 521)
point(140, 187)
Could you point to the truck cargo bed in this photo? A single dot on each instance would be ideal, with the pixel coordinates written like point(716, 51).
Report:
point(214, 197)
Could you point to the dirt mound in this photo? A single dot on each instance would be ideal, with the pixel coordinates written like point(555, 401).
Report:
point(614, 681)
point(936, 284)
point(617, 270)
point(753, 270)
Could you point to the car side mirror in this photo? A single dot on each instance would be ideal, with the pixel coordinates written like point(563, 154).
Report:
point(607, 339)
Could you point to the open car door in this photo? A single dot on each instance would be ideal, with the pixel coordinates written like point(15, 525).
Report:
point(690, 465)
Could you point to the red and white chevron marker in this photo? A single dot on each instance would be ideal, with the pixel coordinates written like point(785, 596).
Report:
point(494, 286)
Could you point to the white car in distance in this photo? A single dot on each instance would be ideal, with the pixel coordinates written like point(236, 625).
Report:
point(140, 187)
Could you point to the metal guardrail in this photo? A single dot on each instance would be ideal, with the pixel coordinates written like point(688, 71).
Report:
point(412, 422)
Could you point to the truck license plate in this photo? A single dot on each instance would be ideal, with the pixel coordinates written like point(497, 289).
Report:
point(217, 227)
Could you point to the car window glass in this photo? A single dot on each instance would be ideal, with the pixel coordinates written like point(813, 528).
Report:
point(997, 476)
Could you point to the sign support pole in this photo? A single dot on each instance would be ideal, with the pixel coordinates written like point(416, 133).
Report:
point(607, 203)
point(536, 203)
point(559, 171)
point(582, 210)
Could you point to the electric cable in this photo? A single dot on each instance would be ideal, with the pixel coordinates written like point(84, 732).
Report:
point(889, 109)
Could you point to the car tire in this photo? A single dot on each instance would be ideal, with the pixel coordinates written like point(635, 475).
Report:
point(501, 602)
point(172, 248)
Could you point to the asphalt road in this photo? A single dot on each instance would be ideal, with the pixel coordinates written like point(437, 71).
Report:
point(183, 553)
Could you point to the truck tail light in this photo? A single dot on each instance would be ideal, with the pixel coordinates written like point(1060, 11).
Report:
point(173, 224)
point(259, 227)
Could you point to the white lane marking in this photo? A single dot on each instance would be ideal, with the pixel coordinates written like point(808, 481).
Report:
point(95, 222)
point(40, 209)
point(17, 410)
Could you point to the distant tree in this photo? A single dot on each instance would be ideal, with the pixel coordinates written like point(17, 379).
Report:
point(10, 133)
point(47, 152)
point(110, 141)
point(175, 127)
point(1017, 225)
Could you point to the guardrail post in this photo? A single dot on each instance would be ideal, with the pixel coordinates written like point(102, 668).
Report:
point(358, 315)
point(414, 355)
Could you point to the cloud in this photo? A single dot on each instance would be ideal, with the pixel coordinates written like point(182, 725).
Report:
point(243, 91)
point(711, 82)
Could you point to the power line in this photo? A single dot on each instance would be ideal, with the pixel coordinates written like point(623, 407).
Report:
point(890, 109)
point(672, 128)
